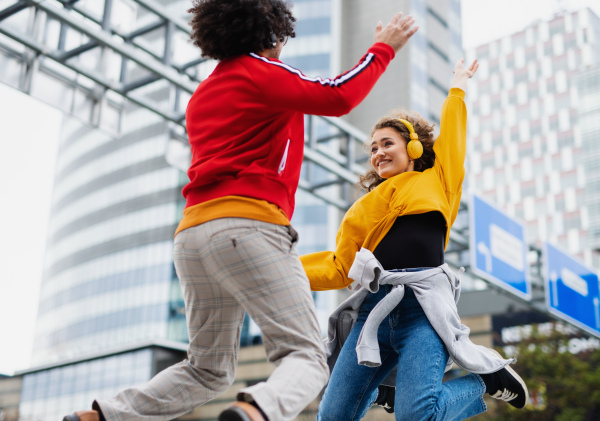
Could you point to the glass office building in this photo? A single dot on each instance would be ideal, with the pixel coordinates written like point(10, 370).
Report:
point(109, 278)
point(311, 49)
point(419, 78)
point(49, 393)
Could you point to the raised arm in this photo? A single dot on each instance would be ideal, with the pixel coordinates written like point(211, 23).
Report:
point(285, 87)
point(450, 146)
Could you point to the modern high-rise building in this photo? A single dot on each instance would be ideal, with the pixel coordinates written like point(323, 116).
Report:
point(588, 113)
point(111, 312)
point(108, 278)
point(532, 130)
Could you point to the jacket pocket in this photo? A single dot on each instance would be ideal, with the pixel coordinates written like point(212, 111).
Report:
point(283, 158)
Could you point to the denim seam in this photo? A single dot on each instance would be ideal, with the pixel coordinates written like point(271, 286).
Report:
point(437, 364)
point(391, 337)
point(367, 384)
point(484, 387)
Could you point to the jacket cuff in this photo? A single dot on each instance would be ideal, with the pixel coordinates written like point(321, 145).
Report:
point(457, 92)
point(383, 50)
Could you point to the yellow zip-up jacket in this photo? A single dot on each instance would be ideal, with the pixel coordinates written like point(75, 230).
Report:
point(370, 218)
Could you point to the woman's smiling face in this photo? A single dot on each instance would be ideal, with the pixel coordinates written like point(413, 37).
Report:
point(388, 153)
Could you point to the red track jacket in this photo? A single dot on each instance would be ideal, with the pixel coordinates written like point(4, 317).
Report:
point(245, 124)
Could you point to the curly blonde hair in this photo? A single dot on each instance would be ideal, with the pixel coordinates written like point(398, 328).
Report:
point(423, 128)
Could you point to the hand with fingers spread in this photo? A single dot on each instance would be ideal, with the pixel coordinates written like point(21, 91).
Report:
point(461, 75)
point(397, 32)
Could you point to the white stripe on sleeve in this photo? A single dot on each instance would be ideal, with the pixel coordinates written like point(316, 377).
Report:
point(331, 82)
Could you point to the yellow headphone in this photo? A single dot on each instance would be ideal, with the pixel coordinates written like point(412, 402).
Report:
point(414, 147)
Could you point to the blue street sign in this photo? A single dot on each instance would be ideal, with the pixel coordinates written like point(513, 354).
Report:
point(498, 248)
point(572, 290)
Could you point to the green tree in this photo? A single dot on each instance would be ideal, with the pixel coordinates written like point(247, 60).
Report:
point(567, 384)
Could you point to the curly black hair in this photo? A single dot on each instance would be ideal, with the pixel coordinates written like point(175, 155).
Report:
point(228, 28)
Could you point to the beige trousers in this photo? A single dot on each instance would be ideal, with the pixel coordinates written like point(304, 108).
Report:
point(227, 267)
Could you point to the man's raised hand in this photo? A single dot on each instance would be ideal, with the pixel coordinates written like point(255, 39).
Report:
point(397, 32)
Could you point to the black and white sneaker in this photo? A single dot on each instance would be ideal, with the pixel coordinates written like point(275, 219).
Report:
point(507, 385)
point(385, 398)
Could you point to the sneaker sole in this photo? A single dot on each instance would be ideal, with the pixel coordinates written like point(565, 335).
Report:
point(516, 376)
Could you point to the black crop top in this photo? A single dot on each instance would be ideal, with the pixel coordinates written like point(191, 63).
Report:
point(413, 241)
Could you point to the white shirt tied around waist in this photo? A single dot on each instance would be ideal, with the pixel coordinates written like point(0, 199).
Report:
point(436, 289)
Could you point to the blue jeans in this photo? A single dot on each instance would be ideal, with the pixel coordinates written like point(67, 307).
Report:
point(406, 338)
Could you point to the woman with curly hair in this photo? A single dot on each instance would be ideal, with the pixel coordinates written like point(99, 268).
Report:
point(391, 243)
point(234, 248)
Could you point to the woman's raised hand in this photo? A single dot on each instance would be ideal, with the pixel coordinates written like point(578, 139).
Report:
point(460, 67)
point(461, 74)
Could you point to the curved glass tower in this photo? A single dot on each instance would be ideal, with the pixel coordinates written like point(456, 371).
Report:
point(108, 277)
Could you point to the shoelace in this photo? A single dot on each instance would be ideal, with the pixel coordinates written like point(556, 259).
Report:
point(505, 395)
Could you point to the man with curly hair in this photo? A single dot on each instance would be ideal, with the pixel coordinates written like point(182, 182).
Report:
point(235, 248)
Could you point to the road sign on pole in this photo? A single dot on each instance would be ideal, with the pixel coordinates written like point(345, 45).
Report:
point(572, 289)
point(498, 248)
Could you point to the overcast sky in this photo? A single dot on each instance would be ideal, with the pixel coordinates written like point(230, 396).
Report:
point(487, 20)
point(29, 139)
